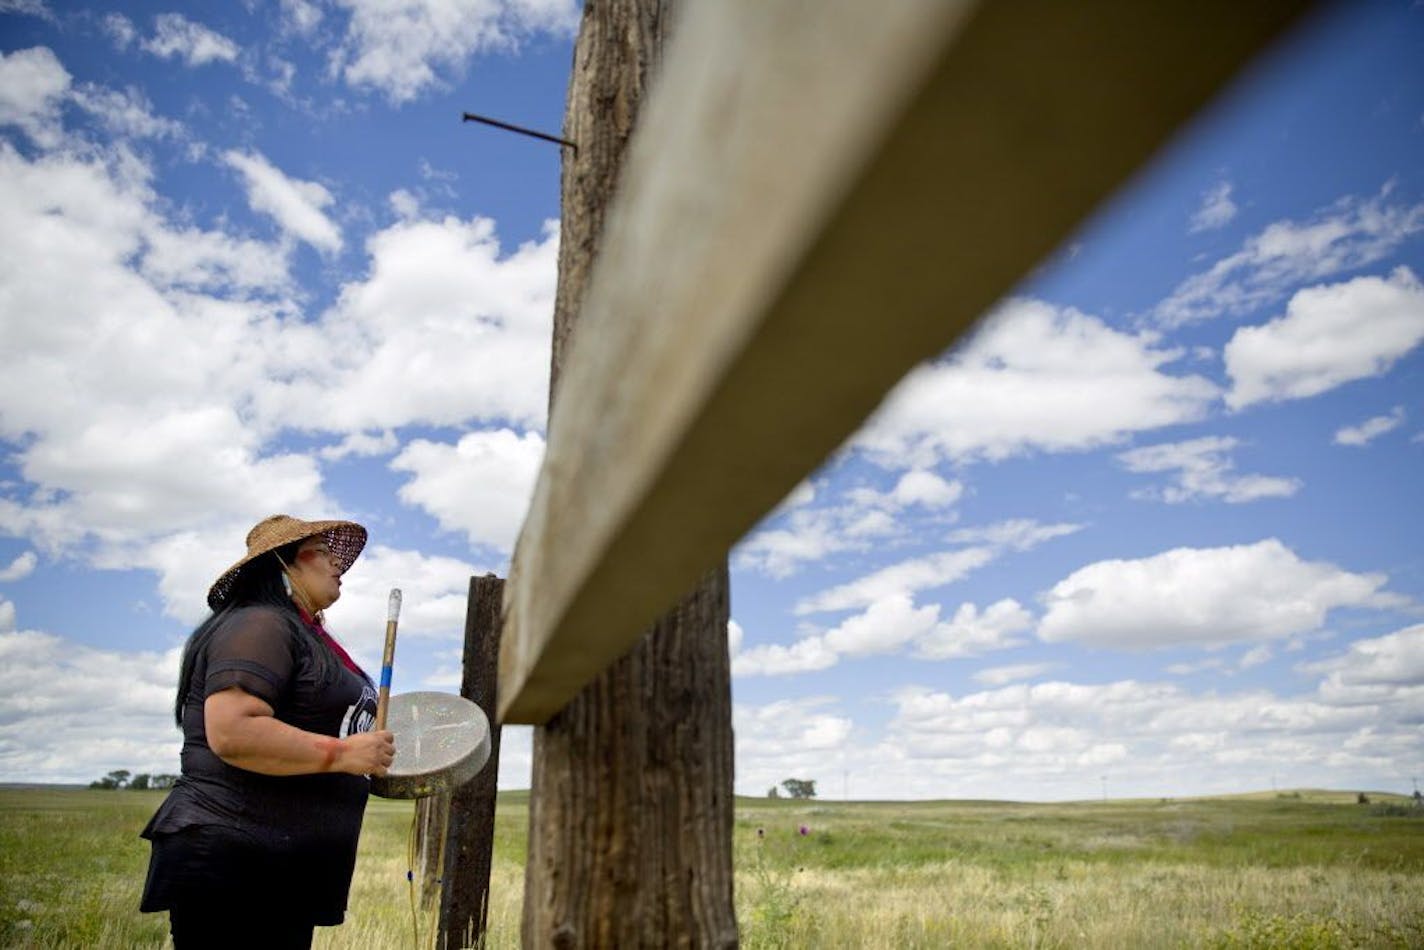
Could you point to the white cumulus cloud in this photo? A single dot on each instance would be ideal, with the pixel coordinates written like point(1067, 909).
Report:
point(301, 16)
point(34, 8)
point(971, 632)
point(890, 621)
point(1013, 534)
point(772, 659)
point(1350, 234)
point(1217, 209)
point(905, 577)
point(1329, 336)
point(120, 29)
point(892, 624)
point(176, 36)
point(1034, 378)
point(798, 533)
point(886, 625)
point(983, 544)
point(735, 635)
point(1203, 469)
point(447, 281)
point(296, 205)
point(787, 739)
point(1375, 670)
point(1141, 738)
point(403, 47)
point(125, 112)
point(1012, 673)
point(1371, 429)
point(1059, 739)
point(1203, 596)
point(481, 485)
point(20, 568)
point(100, 688)
point(918, 486)
point(809, 536)
point(435, 591)
point(174, 343)
point(361, 444)
point(33, 87)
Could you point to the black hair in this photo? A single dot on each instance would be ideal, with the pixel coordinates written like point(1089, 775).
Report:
point(258, 584)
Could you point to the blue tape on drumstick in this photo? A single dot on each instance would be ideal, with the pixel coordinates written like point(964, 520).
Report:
point(386, 677)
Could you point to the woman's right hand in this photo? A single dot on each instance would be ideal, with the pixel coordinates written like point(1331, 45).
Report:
point(367, 753)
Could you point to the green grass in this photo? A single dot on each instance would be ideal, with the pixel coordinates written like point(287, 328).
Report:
point(72, 867)
point(1312, 869)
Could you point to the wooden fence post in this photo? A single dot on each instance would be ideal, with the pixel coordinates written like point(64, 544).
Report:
point(432, 818)
point(469, 841)
point(630, 815)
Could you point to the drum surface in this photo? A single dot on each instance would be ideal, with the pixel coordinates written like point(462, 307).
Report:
point(442, 741)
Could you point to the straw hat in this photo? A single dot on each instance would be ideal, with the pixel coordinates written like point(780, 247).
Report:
point(344, 538)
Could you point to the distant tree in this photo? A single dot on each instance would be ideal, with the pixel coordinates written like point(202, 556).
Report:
point(119, 778)
point(800, 787)
point(123, 778)
point(1362, 799)
point(772, 792)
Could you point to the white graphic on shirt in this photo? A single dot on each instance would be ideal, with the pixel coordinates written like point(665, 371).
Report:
point(360, 715)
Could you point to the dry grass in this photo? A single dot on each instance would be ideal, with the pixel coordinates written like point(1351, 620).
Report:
point(1077, 904)
point(1252, 871)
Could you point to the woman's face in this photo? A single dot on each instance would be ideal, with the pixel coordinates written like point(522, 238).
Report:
point(316, 573)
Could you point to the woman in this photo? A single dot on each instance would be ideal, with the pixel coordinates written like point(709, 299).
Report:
point(256, 843)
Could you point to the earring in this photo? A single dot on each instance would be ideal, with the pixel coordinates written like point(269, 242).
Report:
point(286, 583)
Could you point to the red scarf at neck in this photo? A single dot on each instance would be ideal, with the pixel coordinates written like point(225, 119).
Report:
point(330, 641)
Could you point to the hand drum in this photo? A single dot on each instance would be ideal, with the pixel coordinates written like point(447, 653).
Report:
point(442, 741)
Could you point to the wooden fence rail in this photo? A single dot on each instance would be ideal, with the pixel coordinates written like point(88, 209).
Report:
point(820, 194)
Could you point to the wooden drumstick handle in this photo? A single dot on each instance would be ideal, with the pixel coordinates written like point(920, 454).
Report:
point(383, 698)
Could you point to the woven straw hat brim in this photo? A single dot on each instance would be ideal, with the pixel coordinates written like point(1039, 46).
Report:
point(345, 539)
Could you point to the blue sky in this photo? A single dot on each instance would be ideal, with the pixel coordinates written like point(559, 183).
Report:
point(1151, 530)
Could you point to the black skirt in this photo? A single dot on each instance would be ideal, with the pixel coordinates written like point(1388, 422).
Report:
point(221, 870)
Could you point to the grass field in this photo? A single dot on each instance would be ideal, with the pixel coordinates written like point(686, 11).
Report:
point(1304, 869)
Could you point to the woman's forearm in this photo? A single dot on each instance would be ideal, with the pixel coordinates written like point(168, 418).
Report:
point(267, 745)
point(242, 731)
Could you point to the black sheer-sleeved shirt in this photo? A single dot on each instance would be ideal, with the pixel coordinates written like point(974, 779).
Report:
point(287, 842)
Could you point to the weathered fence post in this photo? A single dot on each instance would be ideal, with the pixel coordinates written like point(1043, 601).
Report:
point(432, 818)
point(630, 817)
point(469, 840)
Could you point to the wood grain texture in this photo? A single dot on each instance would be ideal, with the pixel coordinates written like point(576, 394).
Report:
point(432, 822)
point(631, 806)
point(469, 837)
point(630, 839)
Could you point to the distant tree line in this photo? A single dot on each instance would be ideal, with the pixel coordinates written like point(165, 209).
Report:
point(123, 778)
point(795, 788)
